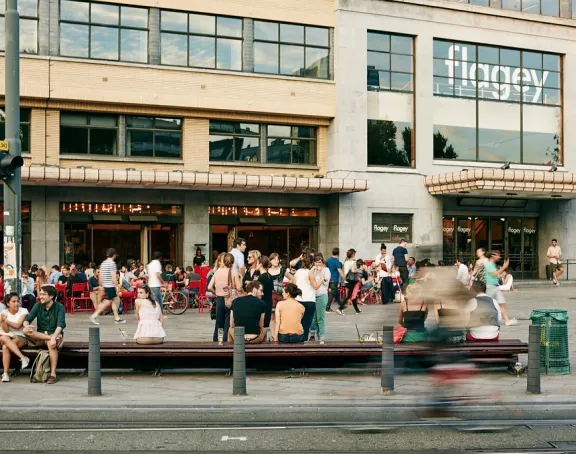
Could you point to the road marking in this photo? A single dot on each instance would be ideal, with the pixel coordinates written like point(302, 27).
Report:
point(141, 429)
point(226, 438)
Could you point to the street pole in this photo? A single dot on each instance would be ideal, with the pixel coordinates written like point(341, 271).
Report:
point(12, 184)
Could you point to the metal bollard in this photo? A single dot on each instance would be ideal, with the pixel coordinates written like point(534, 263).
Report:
point(94, 372)
point(387, 375)
point(239, 366)
point(533, 382)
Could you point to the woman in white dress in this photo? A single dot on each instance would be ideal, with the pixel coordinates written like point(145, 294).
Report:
point(11, 336)
point(149, 316)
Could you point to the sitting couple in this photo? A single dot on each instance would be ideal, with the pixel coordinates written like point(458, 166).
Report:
point(16, 331)
point(248, 311)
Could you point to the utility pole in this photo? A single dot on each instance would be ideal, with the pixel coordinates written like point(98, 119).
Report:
point(11, 162)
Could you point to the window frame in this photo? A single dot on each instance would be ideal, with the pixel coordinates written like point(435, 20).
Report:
point(89, 127)
point(279, 43)
point(27, 18)
point(153, 130)
point(215, 37)
point(390, 53)
point(22, 122)
point(119, 27)
point(390, 220)
point(293, 137)
point(233, 135)
point(521, 102)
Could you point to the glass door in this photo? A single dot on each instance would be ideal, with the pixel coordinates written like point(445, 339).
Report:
point(497, 235)
point(464, 239)
point(530, 248)
point(514, 233)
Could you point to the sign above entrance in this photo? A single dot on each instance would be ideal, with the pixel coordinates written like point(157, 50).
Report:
point(120, 208)
point(219, 210)
point(391, 227)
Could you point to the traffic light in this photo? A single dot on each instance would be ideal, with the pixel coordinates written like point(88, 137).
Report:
point(8, 164)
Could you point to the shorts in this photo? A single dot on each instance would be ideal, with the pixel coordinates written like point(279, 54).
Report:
point(110, 293)
point(556, 267)
point(39, 343)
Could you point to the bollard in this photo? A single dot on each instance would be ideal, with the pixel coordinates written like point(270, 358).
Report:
point(533, 382)
point(387, 375)
point(94, 372)
point(239, 365)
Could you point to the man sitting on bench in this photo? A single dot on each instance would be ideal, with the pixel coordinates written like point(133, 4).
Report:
point(248, 311)
point(51, 322)
point(485, 315)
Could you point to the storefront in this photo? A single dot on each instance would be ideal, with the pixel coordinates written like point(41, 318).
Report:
point(134, 230)
point(266, 229)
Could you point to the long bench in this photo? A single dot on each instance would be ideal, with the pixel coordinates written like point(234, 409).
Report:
point(196, 355)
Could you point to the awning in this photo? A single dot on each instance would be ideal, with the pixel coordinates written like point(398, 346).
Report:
point(504, 183)
point(163, 179)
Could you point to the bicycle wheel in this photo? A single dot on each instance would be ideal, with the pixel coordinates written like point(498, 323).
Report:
point(176, 303)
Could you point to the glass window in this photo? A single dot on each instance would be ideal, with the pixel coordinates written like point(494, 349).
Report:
point(88, 134)
point(24, 128)
point(389, 143)
point(391, 227)
point(103, 31)
point(390, 62)
point(289, 49)
point(28, 10)
point(154, 137)
point(551, 7)
point(202, 41)
point(508, 88)
point(290, 145)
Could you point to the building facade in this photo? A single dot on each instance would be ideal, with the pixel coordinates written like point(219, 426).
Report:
point(180, 124)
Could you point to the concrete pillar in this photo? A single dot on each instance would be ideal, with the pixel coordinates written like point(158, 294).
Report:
point(154, 37)
point(196, 225)
point(248, 47)
point(328, 225)
point(44, 27)
point(45, 227)
point(555, 218)
point(122, 151)
point(54, 24)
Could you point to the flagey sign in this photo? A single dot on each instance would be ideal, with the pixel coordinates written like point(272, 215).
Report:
point(464, 72)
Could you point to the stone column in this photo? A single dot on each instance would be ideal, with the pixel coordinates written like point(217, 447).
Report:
point(154, 37)
point(196, 225)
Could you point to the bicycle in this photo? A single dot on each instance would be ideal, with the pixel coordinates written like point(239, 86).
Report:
point(174, 301)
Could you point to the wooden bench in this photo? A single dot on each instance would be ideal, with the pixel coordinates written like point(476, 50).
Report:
point(195, 355)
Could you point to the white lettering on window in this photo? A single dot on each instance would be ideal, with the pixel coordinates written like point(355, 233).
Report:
point(381, 228)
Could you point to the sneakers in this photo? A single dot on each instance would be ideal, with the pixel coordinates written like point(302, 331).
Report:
point(119, 321)
point(24, 361)
point(339, 312)
point(512, 322)
point(359, 312)
point(5, 378)
point(321, 341)
point(312, 337)
point(329, 311)
point(94, 320)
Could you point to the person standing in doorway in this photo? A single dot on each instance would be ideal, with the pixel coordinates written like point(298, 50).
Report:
point(238, 253)
point(155, 279)
point(400, 254)
point(554, 255)
point(110, 288)
point(335, 267)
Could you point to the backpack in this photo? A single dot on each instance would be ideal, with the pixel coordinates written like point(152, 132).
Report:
point(40, 370)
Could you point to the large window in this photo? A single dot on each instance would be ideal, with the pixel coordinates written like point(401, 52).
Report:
point(546, 7)
point(232, 141)
point(154, 137)
point(201, 40)
point(103, 31)
point(91, 134)
point(390, 100)
point(391, 227)
point(293, 50)
point(28, 10)
point(24, 128)
point(509, 106)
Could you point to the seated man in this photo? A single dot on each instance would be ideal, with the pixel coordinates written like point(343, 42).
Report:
point(168, 275)
point(365, 277)
point(94, 287)
point(485, 315)
point(191, 276)
point(248, 311)
point(51, 322)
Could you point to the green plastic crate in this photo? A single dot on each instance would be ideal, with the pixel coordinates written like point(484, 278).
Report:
point(554, 351)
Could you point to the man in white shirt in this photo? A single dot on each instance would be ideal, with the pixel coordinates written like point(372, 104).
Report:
point(238, 253)
point(155, 280)
point(383, 258)
point(485, 315)
point(462, 274)
point(554, 255)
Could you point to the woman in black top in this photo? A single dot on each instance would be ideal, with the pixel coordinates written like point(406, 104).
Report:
point(199, 259)
point(267, 288)
point(253, 268)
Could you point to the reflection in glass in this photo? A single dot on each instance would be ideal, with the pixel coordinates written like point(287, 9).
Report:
point(279, 131)
point(552, 62)
point(488, 54)
point(173, 49)
point(221, 148)
point(266, 58)
point(27, 8)
point(229, 54)
point(479, 2)
point(28, 36)
point(74, 40)
point(302, 152)
point(177, 22)
point(134, 17)
point(316, 62)
point(104, 43)
point(246, 128)
point(531, 6)
point(103, 141)
point(317, 36)
point(73, 140)
point(74, 11)
point(379, 79)
point(140, 143)
point(292, 33)
point(104, 14)
point(401, 44)
point(267, 31)
point(498, 132)
point(509, 57)
point(532, 60)
point(228, 26)
point(167, 144)
point(378, 60)
point(291, 60)
point(389, 143)
point(202, 51)
point(401, 81)
point(134, 45)
point(541, 135)
point(202, 24)
point(441, 67)
point(278, 151)
point(551, 7)
point(402, 63)
point(513, 5)
point(442, 48)
point(551, 97)
point(379, 42)
point(442, 86)
point(454, 142)
point(552, 79)
point(247, 149)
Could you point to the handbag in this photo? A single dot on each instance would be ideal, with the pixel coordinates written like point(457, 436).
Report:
point(399, 333)
point(232, 292)
point(398, 297)
point(351, 277)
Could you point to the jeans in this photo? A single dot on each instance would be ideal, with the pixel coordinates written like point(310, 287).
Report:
point(367, 286)
point(291, 338)
point(310, 309)
point(222, 319)
point(319, 320)
point(156, 294)
point(333, 293)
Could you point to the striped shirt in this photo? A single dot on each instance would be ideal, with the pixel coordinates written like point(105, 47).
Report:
point(106, 269)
